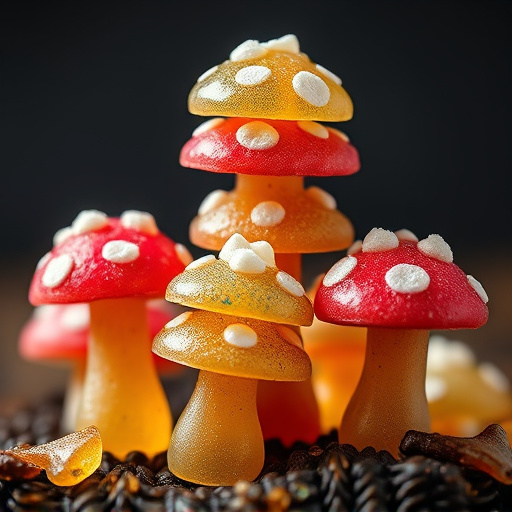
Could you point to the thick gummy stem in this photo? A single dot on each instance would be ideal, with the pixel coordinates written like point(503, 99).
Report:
point(123, 396)
point(218, 440)
point(268, 188)
point(390, 398)
point(73, 396)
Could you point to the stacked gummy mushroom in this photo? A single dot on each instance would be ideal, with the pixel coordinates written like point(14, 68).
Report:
point(272, 96)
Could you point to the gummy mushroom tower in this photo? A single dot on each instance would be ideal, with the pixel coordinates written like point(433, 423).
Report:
point(115, 265)
point(235, 338)
point(400, 288)
point(273, 95)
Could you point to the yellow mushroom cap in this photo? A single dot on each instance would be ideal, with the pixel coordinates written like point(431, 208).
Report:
point(244, 281)
point(234, 346)
point(271, 80)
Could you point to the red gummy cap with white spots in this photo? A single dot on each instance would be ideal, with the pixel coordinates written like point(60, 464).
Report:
point(270, 147)
point(394, 280)
point(98, 257)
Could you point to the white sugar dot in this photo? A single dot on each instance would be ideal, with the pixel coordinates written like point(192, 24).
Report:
point(493, 376)
point(42, 262)
point(478, 289)
point(250, 49)
point(234, 242)
point(329, 74)
point(405, 234)
point(252, 75)
point(257, 135)
point(445, 354)
point(247, 262)
point(89, 220)
point(120, 251)
point(211, 201)
point(207, 126)
point(207, 73)
point(435, 247)
point(290, 284)
point(75, 317)
point(180, 319)
point(265, 251)
point(288, 43)
point(62, 235)
point(379, 239)
point(267, 213)
point(435, 388)
point(339, 271)
point(355, 247)
point(139, 221)
point(240, 335)
point(405, 278)
point(290, 335)
point(45, 311)
point(215, 91)
point(57, 270)
point(183, 254)
point(314, 128)
point(311, 88)
point(321, 196)
point(340, 134)
point(201, 262)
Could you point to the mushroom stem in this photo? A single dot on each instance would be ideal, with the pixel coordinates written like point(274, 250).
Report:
point(218, 440)
point(122, 394)
point(390, 398)
point(268, 188)
point(73, 396)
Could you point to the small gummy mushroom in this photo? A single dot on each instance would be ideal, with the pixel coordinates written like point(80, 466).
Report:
point(400, 289)
point(234, 341)
point(274, 80)
point(116, 265)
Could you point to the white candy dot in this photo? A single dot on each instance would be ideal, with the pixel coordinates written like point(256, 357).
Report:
point(494, 377)
point(62, 235)
point(89, 220)
point(287, 43)
point(379, 239)
point(339, 271)
point(355, 247)
point(290, 335)
point(201, 262)
point(321, 196)
point(265, 251)
point(75, 316)
point(139, 221)
point(478, 289)
point(183, 254)
point(329, 74)
point(211, 201)
point(120, 251)
point(252, 75)
point(234, 242)
point(240, 335)
point(207, 73)
point(445, 354)
point(405, 234)
point(435, 388)
point(340, 134)
point(311, 88)
point(257, 135)
point(180, 319)
point(290, 284)
point(314, 128)
point(216, 91)
point(267, 213)
point(246, 261)
point(250, 49)
point(42, 262)
point(435, 247)
point(207, 126)
point(57, 270)
point(405, 278)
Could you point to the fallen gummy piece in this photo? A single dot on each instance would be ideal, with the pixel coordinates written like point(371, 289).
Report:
point(68, 460)
point(13, 468)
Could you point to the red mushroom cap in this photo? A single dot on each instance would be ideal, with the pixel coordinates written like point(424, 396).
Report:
point(396, 281)
point(104, 258)
point(277, 148)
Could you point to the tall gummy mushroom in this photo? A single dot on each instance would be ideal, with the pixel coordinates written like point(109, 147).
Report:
point(236, 339)
point(115, 265)
point(400, 288)
point(273, 94)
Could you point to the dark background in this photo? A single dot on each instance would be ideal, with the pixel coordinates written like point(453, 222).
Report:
point(94, 113)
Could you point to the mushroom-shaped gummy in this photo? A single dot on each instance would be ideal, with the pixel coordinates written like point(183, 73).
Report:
point(272, 80)
point(400, 289)
point(235, 341)
point(116, 265)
